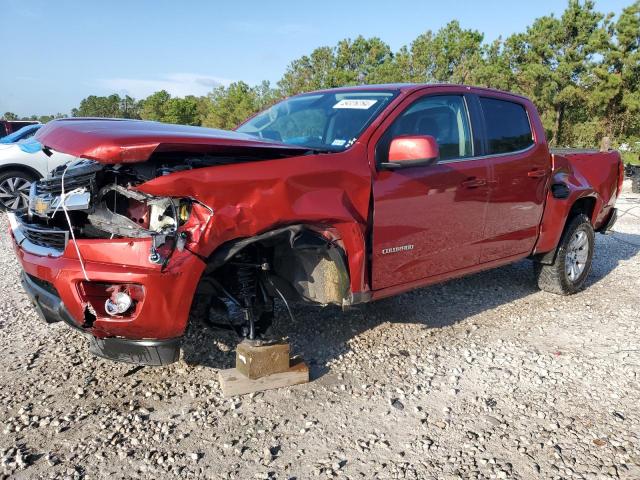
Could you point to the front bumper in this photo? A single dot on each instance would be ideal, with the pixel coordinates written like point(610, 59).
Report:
point(48, 305)
point(150, 335)
point(51, 309)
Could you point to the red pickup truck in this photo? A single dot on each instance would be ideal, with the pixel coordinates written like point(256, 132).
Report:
point(340, 196)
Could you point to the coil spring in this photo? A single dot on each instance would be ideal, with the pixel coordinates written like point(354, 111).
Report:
point(246, 277)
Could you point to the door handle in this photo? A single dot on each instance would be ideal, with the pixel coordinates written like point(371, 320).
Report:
point(474, 182)
point(536, 173)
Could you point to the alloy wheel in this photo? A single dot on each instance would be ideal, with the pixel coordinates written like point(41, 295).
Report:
point(577, 255)
point(14, 193)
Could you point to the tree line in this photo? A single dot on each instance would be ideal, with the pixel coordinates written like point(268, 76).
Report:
point(581, 69)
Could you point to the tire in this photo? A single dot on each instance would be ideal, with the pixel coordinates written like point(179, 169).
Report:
point(635, 182)
point(572, 265)
point(14, 189)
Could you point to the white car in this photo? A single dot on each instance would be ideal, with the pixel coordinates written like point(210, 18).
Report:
point(20, 164)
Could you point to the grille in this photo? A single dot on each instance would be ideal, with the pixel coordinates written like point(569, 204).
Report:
point(53, 186)
point(49, 237)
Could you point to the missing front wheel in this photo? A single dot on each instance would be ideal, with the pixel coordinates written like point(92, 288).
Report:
point(236, 296)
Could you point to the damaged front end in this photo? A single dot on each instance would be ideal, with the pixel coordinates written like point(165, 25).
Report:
point(109, 260)
point(85, 206)
point(156, 225)
point(89, 200)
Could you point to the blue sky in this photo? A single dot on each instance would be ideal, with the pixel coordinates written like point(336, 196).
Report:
point(54, 53)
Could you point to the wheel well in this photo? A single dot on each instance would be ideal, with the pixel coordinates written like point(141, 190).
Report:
point(584, 205)
point(20, 168)
point(243, 277)
point(302, 263)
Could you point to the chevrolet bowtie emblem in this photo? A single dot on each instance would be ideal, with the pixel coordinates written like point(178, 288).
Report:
point(40, 206)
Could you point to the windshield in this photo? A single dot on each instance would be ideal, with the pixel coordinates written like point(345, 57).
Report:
point(325, 121)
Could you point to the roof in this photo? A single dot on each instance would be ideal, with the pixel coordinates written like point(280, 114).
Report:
point(122, 140)
point(411, 87)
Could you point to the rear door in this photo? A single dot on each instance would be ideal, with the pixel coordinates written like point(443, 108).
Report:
point(429, 220)
point(521, 168)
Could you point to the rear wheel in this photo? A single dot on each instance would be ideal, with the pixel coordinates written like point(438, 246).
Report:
point(14, 189)
point(571, 268)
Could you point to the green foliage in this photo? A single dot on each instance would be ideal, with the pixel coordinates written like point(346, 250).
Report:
point(33, 118)
point(557, 57)
point(183, 111)
point(154, 106)
point(582, 70)
point(230, 106)
point(350, 62)
point(450, 55)
point(46, 118)
point(112, 106)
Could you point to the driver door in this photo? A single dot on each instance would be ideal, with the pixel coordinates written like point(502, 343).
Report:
point(429, 220)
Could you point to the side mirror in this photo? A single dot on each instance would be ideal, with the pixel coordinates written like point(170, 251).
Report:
point(412, 151)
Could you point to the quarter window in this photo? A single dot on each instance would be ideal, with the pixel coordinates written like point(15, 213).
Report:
point(508, 127)
point(444, 117)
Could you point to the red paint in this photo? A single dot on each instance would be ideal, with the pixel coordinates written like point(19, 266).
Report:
point(409, 148)
point(450, 218)
point(517, 195)
point(130, 141)
point(321, 190)
point(165, 309)
point(587, 176)
point(431, 209)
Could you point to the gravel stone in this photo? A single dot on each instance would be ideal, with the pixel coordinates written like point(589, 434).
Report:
point(483, 377)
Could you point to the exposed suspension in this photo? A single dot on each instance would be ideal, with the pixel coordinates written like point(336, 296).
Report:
point(237, 296)
point(246, 292)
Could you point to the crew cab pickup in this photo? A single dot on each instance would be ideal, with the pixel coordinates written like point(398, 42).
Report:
point(339, 196)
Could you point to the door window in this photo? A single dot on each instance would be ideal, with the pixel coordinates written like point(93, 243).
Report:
point(444, 117)
point(508, 127)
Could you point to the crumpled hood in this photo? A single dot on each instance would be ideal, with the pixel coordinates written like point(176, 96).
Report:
point(130, 141)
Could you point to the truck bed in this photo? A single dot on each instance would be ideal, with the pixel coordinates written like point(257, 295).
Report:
point(601, 169)
point(573, 151)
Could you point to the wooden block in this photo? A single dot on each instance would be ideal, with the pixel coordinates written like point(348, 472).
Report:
point(255, 361)
point(234, 383)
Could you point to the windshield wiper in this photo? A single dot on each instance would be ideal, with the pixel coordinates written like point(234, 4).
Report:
point(314, 150)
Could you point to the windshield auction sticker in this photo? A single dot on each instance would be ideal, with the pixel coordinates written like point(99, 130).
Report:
point(360, 104)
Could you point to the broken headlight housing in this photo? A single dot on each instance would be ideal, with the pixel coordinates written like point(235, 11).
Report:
point(123, 212)
point(129, 213)
point(89, 200)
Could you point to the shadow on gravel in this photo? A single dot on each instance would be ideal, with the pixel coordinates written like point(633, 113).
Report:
point(323, 334)
point(610, 251)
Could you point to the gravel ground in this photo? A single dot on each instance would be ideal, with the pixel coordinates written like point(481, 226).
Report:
point(483, 377)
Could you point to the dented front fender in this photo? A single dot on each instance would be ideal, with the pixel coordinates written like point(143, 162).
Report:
point(250, 198)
